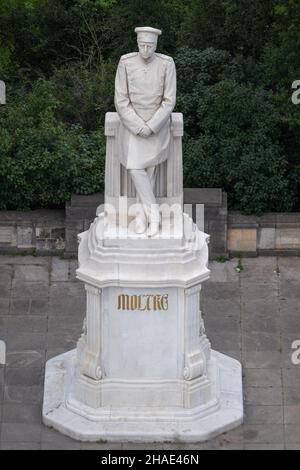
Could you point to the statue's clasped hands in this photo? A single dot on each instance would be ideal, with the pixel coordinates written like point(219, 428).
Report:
point(145, 131)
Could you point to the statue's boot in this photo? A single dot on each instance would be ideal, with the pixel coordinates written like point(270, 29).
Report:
point(153, 216)
point(153, 228)
point(141, 222)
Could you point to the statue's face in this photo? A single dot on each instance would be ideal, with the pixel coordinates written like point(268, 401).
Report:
point(146, 49)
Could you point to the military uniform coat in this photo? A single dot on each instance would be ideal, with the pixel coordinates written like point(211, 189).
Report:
point(145, 92)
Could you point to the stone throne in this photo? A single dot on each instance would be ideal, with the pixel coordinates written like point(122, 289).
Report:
point(143, 369)
point(169, 186)
point(119, 187)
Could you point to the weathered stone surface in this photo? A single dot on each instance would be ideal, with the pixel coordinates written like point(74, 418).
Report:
point(207, 196)
point(20, 446)
point(257, 414)
point(249, 307)
point(292, 433)
point(4, 306)
point(253, 291)
point(267, 239)
point(264, 446)
point(1, 384)
point(28, 306)
point(259, 270)
point(30, 395)
point(23, 432)
point(34, 274)
point(50, 245)
point(220, 291)
point(19, 413)
point(261, 341)
point(263, 378)
point(58, 233)
point(261, 359)
point(19, 231)
point(263, 433)
point(292, 414)
point(287, 238)
point(224, 272)
point(239, 240)
point(25, 236)
point(52, 231)
point(60, 270)
point(263, 396)
point(19, 341)
point(291, 395)
point(289, 291)
point(26, 324)
point(22, 376)
point(30, 358)
point(43, 233)
point(289, 268)
point(67, 298)
point(7, 235)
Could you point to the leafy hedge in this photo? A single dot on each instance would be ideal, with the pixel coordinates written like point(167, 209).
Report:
point(232, 133)
point(44, 161)
point(236, 61)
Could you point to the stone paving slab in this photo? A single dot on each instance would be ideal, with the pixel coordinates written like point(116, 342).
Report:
point(252, 316)
point(266, 414)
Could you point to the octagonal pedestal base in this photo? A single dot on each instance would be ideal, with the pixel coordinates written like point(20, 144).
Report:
point(221, 414)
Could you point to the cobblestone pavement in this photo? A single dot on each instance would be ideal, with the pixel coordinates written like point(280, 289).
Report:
point(252, 316)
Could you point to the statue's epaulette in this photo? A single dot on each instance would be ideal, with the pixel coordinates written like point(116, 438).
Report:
point(163, 56)
point(127, 56)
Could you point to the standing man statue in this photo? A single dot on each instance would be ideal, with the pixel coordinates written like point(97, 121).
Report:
point(145, 96)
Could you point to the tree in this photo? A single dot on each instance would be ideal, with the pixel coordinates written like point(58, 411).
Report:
point(234, 129)
point(239, 26)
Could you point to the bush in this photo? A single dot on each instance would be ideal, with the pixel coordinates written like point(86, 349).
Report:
point(234, 129)
point(84, 95)
point(43, 161)
point(241, 128)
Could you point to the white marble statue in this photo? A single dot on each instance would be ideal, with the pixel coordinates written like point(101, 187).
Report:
point(145, 96)
point(143, 369)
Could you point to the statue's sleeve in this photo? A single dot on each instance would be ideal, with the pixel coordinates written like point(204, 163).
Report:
point(122, 102)
point(168, 102)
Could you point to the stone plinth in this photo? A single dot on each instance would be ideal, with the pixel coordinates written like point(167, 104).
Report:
point(143, 369)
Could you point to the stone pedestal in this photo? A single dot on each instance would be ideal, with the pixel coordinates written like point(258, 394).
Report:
point(143, 369)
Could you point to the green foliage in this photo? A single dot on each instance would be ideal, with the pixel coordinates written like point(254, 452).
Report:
point(238, 26)
point(239, 268)
point(234, 128)
point(236, 61)
point(222, 259)
point(43, 161)
point(84, 95)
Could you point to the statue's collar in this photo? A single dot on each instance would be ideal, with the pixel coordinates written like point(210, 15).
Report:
point(144, 62)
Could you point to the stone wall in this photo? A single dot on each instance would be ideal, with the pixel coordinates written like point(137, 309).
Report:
point(40, 231)
point(81, 210)
point(50, 231)
point(215, 216)
point(80, 213)
point(270, 234)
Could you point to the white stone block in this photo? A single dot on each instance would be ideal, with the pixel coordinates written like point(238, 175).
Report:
point(143, 370)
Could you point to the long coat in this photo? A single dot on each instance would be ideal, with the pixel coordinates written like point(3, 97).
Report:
point(144, 93)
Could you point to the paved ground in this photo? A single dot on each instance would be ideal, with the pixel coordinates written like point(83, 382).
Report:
point(252, 316)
